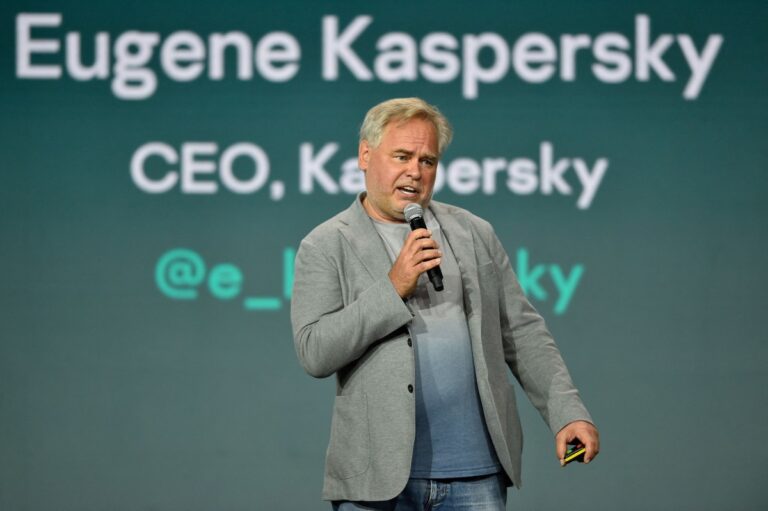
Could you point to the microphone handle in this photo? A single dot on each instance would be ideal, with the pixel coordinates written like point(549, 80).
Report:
point(434, 274)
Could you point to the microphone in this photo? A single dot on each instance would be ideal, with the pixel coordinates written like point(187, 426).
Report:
point(414, 214)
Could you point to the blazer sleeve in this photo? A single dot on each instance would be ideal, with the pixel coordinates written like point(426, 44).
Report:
point(531, 352)
point(328, 332)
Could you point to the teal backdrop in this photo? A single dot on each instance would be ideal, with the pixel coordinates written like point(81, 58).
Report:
point(161, 162)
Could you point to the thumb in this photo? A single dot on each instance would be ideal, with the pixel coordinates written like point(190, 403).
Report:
point(560, 446)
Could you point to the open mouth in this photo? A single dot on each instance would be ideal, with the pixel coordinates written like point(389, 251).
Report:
point(408, 190)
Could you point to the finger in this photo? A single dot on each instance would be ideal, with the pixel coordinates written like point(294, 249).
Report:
point(419, 244)
point(426, 243)
point(428, 265)
point(560, 445)
point(426, 255)
point(590, 454)
point(418, 234)
point(593, 448)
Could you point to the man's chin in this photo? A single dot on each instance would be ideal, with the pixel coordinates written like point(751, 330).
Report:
point(421, 201)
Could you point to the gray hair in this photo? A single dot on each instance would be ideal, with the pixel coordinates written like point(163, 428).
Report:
point(402, 110)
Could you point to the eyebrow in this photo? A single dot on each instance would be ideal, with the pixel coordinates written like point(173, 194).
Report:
point(411, 153)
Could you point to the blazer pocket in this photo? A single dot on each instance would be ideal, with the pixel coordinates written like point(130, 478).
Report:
point(349, 450)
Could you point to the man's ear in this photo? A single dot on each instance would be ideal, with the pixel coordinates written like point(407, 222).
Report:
point(363, 155)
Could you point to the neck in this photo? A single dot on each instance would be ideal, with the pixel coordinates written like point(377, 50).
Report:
point(375, 214)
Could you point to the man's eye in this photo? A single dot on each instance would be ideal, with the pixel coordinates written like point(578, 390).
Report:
point(401, 157)
point(428, 163)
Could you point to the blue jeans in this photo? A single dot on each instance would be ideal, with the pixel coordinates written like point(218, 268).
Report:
point(481, 493)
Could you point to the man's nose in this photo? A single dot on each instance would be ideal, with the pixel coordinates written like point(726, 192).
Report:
point(412, 169)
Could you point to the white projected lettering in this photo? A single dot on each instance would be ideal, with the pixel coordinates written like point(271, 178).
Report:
point(534, 57)
point(199, 168)
point(183, 55)
point(548, 175)
point(474, 60)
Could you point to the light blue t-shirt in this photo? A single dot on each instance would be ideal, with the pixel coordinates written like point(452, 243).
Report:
point(451, 436)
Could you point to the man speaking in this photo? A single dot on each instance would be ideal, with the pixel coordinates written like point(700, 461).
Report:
point(424, 414)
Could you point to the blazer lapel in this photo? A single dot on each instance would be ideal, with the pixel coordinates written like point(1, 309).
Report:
point(365, 242)
point(360, 233)
point(459, 235)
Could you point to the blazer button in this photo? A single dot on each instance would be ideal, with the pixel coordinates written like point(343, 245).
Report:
point(410, 388)
point(409, 342)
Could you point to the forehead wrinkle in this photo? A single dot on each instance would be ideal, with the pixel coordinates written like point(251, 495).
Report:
point(416, 138)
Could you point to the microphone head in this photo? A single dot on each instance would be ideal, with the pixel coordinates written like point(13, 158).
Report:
point(413, 210)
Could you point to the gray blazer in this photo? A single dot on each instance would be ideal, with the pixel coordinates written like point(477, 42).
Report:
point(348, 320)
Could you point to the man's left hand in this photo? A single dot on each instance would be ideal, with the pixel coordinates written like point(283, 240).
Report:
point(581, 433)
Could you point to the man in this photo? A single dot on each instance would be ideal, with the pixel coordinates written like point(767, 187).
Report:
point(424, 413)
